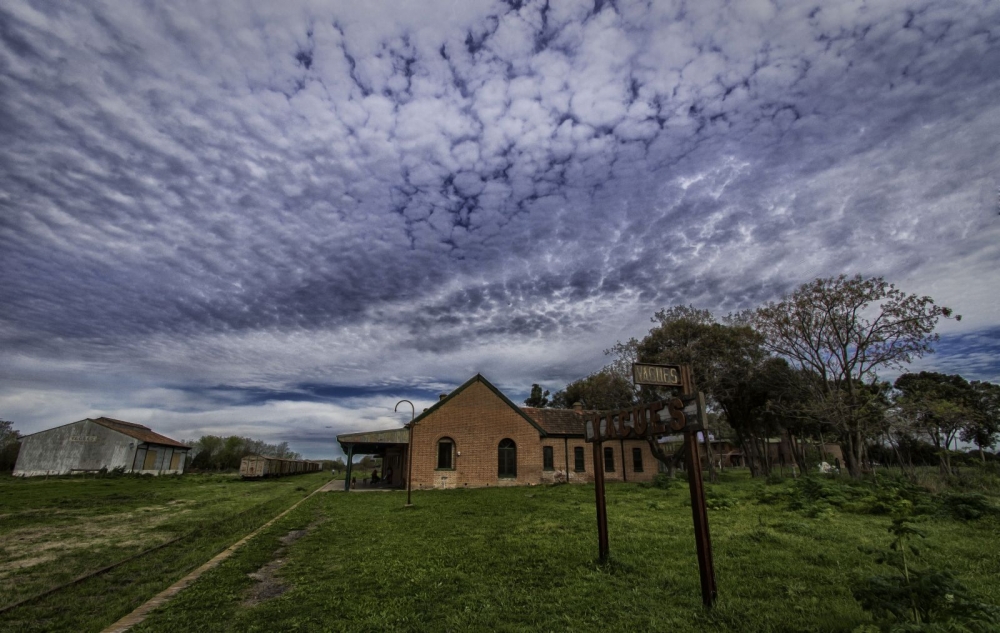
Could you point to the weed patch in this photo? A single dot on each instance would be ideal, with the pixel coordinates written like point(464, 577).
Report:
point(967, 506)
point(919, 598)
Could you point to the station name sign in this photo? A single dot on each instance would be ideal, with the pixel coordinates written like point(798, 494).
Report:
point(657, 375)
point(642, 422)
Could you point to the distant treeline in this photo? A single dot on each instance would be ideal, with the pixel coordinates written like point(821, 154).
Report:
point(807, 368)
point(211, 452)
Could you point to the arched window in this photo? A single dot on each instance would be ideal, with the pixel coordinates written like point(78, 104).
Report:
point(446, 452)
point(507, 458)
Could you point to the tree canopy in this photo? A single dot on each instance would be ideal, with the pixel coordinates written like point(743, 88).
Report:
point(841, 331)
point(808, 366)
point(10, 443)
point(212, 452)
point(538, 398)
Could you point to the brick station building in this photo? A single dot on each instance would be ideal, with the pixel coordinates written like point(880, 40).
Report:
point(476, 437)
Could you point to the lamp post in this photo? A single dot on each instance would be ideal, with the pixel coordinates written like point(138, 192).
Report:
point(409, 450)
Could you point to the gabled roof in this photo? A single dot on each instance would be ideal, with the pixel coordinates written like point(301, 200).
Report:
point(489, 385)
point(139, 432)
point(559, 421)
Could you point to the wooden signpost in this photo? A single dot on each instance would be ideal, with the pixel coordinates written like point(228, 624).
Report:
point(685, 414)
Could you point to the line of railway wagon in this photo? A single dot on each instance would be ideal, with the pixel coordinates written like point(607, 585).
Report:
point(258, 467)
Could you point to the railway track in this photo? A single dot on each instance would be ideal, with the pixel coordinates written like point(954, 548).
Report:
point(200, 530)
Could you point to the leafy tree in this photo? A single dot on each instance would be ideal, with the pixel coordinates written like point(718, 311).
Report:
point(938, 406)
point(234, 448)
point(682, 336)
point(842, 331)
point(983, 428)
point(538, 398)
point(730, 364)
point(10, 444)
point(602, 390)
point(8, 433)
point(212, 452)
point(205, 450)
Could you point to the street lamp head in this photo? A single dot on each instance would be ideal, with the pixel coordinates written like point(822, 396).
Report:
point(413, 410)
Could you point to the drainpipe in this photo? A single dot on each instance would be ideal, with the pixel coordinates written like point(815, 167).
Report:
point(624, 475)
point(566, 455)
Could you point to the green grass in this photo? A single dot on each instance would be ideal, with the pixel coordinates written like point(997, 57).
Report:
point(523, 559)
point(53, 530)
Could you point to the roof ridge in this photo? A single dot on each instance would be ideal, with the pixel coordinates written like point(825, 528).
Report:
point(114, 421)
point(482, 379)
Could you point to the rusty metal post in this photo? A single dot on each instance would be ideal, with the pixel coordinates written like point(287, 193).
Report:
point(602, 508)
point(699, 513)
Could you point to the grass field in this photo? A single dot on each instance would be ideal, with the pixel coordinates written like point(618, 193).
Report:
point(787, 555)
point(523, 559)
point(54, 530)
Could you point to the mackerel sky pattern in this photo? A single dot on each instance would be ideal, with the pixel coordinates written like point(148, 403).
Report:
point(278, 219)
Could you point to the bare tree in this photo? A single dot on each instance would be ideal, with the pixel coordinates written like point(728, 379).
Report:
point(842, 331)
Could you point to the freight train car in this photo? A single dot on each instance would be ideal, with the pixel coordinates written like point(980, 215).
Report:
point(258, 466)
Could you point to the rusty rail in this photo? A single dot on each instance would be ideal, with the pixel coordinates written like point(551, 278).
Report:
point(91, 574)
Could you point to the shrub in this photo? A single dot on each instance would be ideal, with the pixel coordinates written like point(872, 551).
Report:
point(663, 481)
point(775, 478)
point(715, 499)
point(967, 506)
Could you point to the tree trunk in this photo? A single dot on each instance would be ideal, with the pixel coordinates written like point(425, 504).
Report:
point(899, 457)
point(851, 455)
point(748, 454)
point(943, 457)
point(765, 461)
point(712, 476)
point(797, 453)
point(867, 458)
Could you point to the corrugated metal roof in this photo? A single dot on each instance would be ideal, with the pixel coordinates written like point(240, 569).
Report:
point(558, 421)
point(390, 436)
point(138, 431)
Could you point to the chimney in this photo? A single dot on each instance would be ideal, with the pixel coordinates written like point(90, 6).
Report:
point(442, 396)
point(578, 407)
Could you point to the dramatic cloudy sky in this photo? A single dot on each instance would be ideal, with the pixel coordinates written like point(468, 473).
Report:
point(275, 219)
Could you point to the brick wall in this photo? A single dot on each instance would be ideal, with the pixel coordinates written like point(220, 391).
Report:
point(476, 420)
point(561, 447)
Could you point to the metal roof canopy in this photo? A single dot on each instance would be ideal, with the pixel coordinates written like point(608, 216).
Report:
point(369, 442)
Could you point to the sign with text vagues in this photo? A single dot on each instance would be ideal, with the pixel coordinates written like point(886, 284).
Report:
point(660, 375)
point(644, 421)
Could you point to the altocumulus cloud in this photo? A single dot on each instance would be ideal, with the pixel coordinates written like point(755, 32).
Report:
point(274, 219)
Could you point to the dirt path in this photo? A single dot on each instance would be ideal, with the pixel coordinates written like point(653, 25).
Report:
point(167, 594)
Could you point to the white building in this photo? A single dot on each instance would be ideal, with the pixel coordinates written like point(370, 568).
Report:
point(90, 445)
